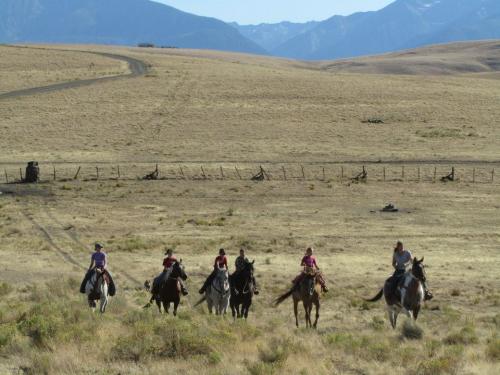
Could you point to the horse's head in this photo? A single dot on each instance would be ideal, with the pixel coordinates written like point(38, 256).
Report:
point(249, 269)
point(418, 269)
point(178, 271)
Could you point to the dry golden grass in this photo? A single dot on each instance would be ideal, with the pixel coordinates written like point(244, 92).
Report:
point(196, 105)
point(22, 68)
point(454, 226)
point(447, 59)
point(202, 105)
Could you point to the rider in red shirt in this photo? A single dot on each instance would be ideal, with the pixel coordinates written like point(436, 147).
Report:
point(168, 262)
point(220, 262)
point(309, 261)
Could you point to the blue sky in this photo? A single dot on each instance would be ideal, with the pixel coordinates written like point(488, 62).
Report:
point(258, 11)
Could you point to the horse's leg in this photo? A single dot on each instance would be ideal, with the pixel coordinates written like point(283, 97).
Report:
point(306, 313)
point(390, 313)
point(317, 304)
point(158, 303)
point(176, 304)
point(296, 311)
point(416, 310)
point(309, 313)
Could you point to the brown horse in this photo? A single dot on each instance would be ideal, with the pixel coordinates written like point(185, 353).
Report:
point(409, 297)
point(308, 291)
point(170, 291)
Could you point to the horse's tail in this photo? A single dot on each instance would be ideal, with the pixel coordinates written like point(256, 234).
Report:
point(280, 299)
point(377, 297)
point(204, 298)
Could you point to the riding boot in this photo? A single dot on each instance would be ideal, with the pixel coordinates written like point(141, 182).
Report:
point(427, 294)
point(112, 286)
point(84, 282)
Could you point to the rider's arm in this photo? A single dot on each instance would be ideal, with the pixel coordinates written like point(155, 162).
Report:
point(225, 263)
point(91, 263)
point(105, 260)
point(394, 260)
point(316, 264)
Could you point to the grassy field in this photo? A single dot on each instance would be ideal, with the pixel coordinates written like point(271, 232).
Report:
point(195, 106)
point(22, 68)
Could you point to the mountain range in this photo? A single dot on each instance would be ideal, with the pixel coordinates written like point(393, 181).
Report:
point(120, 22)
point(402, 24)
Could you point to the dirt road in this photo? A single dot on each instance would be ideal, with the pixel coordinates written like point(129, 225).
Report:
point(137, 68)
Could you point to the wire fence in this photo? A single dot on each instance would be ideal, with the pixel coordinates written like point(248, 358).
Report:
point(266, 172)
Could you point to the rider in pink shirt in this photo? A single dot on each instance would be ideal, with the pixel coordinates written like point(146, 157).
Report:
point(310, 261)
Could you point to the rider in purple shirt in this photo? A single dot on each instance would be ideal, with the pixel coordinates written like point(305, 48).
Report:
point(99, 260)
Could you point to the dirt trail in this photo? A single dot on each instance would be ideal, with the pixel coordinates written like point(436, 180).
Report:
point(137, 68)
point(56, 237)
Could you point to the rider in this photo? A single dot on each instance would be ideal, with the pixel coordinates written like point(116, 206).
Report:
point(240, 264)
point(309, 261)
point(98, 260)
point(401, 261)
point(220, 262)
point(168, 262)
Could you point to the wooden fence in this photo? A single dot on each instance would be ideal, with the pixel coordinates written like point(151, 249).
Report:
point(267, 172)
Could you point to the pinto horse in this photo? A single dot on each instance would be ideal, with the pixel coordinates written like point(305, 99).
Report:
point(170, 290)
point(308, 291)
point(242, 290)
point(409, 297)
point(96, 289)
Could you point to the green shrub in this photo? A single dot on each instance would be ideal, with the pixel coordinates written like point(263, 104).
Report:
point(153, 338)
point(447, 363)
point(7, 333)
point(412, 331)
point(493, 349)
point(5, 289)
point(377, 323)
point(467, 335)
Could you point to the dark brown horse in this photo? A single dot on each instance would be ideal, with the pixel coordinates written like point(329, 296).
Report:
point(308, 291)
point(408, 297)
point(170, 291)
point(242, 289)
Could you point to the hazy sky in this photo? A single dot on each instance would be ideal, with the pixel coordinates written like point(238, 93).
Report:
point(258, 11)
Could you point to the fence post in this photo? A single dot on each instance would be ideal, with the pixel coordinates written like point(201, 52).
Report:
point(118, 170)
point(403, 172)
point(493, 175)
point(76, 175)
point(21, 174)
point(284, 172)
point(221, 172)
point(182, 172)
point(6, 176)
point(473, 175)
point(54, 172)
point(203, 173)
point(384, 173)
point(97, 172)
point(324, 177)
point(435, 172)
point(237, 172)
point(303, 173)
point(341, 172)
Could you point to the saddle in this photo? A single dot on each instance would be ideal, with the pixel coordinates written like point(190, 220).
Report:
point(309, 271)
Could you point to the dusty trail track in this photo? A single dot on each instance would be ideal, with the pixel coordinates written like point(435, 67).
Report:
point(58, 238)
point(137, 68)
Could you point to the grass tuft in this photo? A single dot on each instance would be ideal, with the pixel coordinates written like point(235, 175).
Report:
point(412, 331)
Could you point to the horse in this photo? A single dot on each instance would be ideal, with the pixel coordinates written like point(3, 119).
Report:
point(308, 291)
point(169, 291)
point(409, 298)
point(97, 289)
point(242, 290)
point(218, 293)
